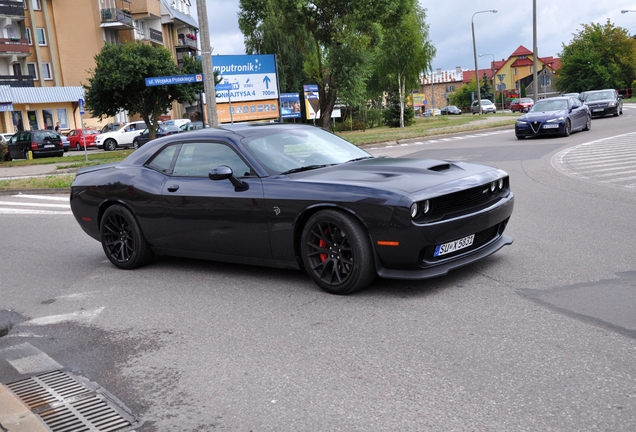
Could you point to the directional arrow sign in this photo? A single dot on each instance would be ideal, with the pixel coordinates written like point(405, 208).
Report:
point(266, 80)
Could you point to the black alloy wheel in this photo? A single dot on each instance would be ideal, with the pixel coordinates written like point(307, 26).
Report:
point(567, 128)
point(123, 242)
point(337, 252)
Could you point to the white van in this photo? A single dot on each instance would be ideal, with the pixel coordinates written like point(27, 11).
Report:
point(177, 122)
point(122, 137)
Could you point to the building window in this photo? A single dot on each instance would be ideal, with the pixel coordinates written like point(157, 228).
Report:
point(62, 117)
point(17, 69)
point(47, 116)
point(18, 123)
point(41, 36)
point(32, 70)
point(531, 70)
point(450, 89)
point(32, 117)
point(46, 71)
point(28, 35)
point(514, 71)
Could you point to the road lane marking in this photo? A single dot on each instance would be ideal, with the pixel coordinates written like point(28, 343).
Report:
point(80, 316)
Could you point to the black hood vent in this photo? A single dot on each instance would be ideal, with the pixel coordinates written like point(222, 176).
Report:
point(440, 167)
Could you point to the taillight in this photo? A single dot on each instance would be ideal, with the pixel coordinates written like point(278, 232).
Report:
point(34, 146)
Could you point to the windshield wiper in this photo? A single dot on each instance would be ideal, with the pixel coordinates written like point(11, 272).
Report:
point(360, 158)
point(305, 168)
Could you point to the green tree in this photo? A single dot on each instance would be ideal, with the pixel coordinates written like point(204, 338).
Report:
point(337, 40)
point(405, 53)
point(463, 97)
point(265, 31)
point(118, 83)
point(486, 88)
point(599, 56)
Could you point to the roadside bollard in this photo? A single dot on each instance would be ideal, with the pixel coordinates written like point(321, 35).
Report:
point(30, 155)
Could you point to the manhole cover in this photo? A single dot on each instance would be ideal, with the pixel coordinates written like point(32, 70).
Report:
point(66, 404)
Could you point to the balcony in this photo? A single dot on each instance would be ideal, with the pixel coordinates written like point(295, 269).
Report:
point(17, 80)
point(185, 42)
point(12, 8)
point(149, 34)
point(116, 18)
point(14, 46)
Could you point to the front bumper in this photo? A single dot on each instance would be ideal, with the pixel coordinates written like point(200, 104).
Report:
point(539, 129)
point(414, 257)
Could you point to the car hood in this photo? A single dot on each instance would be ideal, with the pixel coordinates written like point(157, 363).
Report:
point(401, 174)
point(542, 115)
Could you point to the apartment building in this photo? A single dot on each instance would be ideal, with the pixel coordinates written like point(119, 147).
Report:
point(47, 50)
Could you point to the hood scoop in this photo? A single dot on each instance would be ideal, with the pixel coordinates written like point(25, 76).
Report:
point(440, 167)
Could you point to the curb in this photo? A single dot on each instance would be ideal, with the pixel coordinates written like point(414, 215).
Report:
point(15, 416)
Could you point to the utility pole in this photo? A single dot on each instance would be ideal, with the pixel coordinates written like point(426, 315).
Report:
point(535, 53)
point(206, 63)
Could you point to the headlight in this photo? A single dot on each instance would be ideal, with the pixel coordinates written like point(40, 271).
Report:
point(415, 209)
point(555, 120)
point(521, 122)
point(493, 187)
point(500, 184)
point(611, 104)
point(426, 206)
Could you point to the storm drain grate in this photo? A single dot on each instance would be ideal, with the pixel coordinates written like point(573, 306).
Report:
point(65, 404)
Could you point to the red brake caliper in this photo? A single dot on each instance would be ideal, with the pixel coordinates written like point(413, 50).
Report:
point(323, 244)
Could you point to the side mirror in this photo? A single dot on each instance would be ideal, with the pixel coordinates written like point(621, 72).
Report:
point(224, 172)
point(575, 106)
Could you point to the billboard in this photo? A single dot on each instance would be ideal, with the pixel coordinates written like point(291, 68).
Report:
point(290, 105)
point(250, 83)
point(312, 101)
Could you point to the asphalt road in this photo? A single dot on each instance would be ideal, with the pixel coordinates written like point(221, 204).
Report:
point(540, 336)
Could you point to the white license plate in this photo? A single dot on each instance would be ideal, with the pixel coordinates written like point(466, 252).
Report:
point(49, 145)
point(598, 109)
point(551, 126)
point(455, 245)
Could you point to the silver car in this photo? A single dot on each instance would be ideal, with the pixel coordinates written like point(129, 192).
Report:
point(486, 107)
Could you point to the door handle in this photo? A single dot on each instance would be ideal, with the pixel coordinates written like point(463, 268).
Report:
point(173, 188)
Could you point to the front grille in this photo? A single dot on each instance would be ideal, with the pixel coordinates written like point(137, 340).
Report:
point(464, 198)
point(65, 404)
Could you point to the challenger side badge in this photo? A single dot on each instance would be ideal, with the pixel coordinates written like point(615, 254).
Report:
point(277, 211)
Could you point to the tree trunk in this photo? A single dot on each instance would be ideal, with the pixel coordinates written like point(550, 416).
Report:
point(401, 88)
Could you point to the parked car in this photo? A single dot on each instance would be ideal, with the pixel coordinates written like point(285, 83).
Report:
point(162, 131)
point(604, 102)
point(432, 112)
point(522, 104)
point(5, 136)
point(486, 107)
point(121, 138)
point(41, 142)
point(554, 116)
point(195, 125)
point(77, 138)
point(574, 95)
point(65, 142)
point(293, 196)
point(450, 110)
point(4, 150)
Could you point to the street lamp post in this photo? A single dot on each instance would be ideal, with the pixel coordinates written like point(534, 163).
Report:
point(472, 23)
point(625, 11)
point(492, 70)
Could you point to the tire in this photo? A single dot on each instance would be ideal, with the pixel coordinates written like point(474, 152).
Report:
point(66, 149)
point(78, 147)
point(568, 128)
point(122, 240)
point(135, 144)
point(110, 144)
point(588, 123)
point(26, 154)
point(337, 253)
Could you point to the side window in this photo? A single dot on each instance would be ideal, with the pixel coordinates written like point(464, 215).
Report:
point(197, 159)
point(163, 160)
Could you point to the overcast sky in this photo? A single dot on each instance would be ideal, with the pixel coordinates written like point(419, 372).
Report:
point(499, 34)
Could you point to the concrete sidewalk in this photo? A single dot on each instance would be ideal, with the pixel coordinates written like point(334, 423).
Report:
point(15, 416)
point(12, 173)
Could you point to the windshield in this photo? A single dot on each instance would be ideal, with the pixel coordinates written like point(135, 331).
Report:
point(599, 96)
point(292, 149)
point(549, 105)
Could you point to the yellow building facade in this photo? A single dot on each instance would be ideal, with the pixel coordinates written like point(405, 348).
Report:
point(52, 44)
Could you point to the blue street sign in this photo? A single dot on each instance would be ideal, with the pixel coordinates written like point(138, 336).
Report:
point(223, 87)
point(175, 79)
point(81, 105)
